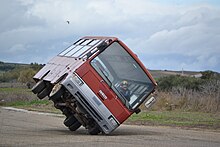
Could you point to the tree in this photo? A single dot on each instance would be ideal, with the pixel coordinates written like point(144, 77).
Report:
point(169, 82)
point(207, 75)
point(36, 66)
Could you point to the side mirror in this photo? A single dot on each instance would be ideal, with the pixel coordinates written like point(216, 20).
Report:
point(150, 102)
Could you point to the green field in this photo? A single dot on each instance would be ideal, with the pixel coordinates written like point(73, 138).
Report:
point(34, 105)
point(177, 118)
point(24, 98)
point(13, 94)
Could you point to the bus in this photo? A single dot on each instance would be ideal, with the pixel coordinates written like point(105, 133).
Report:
point(97, 82)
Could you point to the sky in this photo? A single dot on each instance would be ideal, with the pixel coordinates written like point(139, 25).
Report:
point(165, 34)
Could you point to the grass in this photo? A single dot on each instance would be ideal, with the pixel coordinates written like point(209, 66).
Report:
point(16, 94)
point(34, 105)
point(177, 118)
point(23, 98)
point(28, 103)
point(12, 90)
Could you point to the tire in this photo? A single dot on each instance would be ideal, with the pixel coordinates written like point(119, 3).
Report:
point(38, 87)
point(75, 126)
point(70, 121)
point(66, 112)
point(56, 92)
point(94, 130)
point(45, 92)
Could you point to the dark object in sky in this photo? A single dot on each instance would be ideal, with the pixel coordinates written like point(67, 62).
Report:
point(68, 21)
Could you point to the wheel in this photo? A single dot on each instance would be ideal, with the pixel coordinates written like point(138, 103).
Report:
point(94, 130)
point(66, 112)
point(75, 126)
point(38, 87)
point(69, 121)
point(45, 92)
point(56, 92)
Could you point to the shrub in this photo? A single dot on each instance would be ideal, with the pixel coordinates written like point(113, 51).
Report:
point(189, 93)
point(167, 83)
point(206, 99)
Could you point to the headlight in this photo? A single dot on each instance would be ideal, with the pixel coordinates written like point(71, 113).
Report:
point(77, 80)
point(113, 122)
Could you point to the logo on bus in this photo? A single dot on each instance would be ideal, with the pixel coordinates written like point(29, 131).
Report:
point(102, 94)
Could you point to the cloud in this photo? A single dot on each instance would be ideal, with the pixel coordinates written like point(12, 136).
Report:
point(194, 34)
point(164, 35)
point(17, 48)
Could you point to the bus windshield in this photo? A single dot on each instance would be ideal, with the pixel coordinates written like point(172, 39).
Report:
point(123, 74)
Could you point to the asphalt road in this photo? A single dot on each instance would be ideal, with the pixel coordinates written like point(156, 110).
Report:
point(32, 129)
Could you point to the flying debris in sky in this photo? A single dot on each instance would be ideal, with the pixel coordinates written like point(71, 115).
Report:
point(68, 21)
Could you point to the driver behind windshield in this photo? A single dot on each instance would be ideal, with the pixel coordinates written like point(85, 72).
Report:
point(123, 89)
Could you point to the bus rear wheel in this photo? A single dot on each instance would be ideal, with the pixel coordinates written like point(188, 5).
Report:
point(75, 126)
point(69, 121)
point(38, 87)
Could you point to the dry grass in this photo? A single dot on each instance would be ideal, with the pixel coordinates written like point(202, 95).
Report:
point(15, 94)
point(205, 100)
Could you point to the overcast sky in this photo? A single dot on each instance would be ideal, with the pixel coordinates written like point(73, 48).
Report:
point(165, 34)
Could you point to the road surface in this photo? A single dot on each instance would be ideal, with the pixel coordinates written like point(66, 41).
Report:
point(19, 128)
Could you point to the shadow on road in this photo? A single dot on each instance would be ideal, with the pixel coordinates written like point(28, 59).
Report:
point(122, 131)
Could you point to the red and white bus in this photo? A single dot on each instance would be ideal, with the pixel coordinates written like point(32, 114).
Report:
point(97, 82)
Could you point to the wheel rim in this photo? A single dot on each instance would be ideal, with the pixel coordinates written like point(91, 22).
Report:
point(56, 88)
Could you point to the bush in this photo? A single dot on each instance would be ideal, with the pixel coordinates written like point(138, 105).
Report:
point(26, 75)
point(188, 94)
point(18, 72)
point(167, 83)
